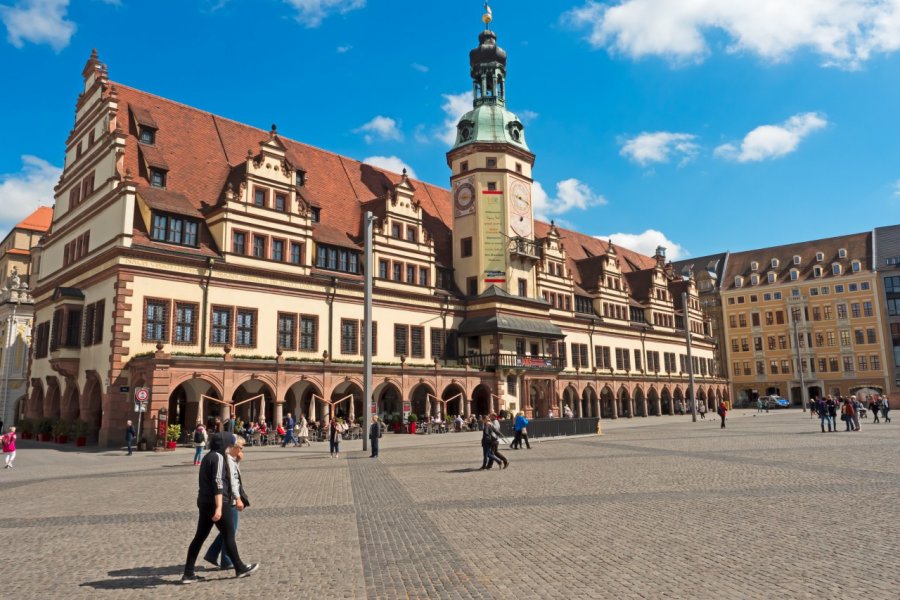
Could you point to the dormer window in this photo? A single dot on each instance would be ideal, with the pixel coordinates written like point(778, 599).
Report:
point(795, 274)
point(820, 256)
point(148, 135)
point(796, 259)
point(835, 269)
point(855, 266)
point(771, 277)
point(754, 266)
point(754, 279)
point(774, 263)
point(738, 281)
point(842, 253)
point(315, 214)
point(300, 178)
point(157, 178)
point(173, 229)
point(817, 272)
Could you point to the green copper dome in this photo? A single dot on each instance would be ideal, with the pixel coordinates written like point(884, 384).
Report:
point(490, 123)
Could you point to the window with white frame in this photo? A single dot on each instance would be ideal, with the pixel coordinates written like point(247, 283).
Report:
point(817, 272)
point(842, 253)
point(770, 277)
point(855, 266)
point(820, 257)
point(754, 266)
point(738, 281)
point(835, 269)
point(774, 263)
point(796, 259)
point(754, 279)
point(795, 274)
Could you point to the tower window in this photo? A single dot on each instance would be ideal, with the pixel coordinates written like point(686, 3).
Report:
point(492, 186)
point(465, 247)
point(464, 166)
point(491, 163)
point(518, 167)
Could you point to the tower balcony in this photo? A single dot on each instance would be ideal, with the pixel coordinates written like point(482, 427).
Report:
point(524, 248)
point(490, 362)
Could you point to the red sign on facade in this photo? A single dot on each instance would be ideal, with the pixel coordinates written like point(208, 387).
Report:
point(162, 423)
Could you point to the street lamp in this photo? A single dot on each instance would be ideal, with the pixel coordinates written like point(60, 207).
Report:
point(367, 327)
point(795, 316)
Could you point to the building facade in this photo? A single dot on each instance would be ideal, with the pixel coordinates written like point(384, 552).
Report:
point(221, 266)
point(804, 320)
point(708, 272)
point(887, 265)
point(17, 310)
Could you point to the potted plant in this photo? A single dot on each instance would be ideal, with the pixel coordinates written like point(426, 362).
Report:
point(44, 427)
point(412, 418)
point(27, 427)
point(60, 431)
point(396, 423)
point(173, 433)
point(81, 430)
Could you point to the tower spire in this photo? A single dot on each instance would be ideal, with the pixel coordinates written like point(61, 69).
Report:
point(488, 15)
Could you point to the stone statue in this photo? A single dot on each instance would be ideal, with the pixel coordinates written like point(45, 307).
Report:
point(15, 280)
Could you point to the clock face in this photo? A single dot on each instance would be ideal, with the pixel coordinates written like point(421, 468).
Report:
point(521, 199)
point(464, 199)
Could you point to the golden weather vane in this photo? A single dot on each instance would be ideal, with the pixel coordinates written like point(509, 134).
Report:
point(488, 16)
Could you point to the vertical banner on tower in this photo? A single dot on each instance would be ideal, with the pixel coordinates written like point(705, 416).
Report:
point(494, 242)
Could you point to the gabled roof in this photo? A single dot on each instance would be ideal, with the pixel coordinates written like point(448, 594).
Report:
point(39, 220)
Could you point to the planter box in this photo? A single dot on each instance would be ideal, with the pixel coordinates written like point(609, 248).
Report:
point(27, 436)
point(81, 441)
point(43, 437)
point(62, 439)
point(171, 445)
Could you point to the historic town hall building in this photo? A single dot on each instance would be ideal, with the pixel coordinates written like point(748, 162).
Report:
point(214, 263)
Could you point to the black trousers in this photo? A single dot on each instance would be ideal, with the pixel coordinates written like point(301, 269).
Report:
point(374, 446)
point(225, 525)
point(495, 448)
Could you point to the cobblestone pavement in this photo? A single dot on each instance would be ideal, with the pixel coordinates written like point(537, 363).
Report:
point(656, 508)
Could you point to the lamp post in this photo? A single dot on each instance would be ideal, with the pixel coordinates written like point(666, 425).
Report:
point(367, 327)
point(690, 360)
point(7, 351)
point(795, 316)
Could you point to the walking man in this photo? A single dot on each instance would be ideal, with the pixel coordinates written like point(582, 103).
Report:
point(520, 427)
point(722, 412)
point(374, 435)
point(129, 435)
point(831, 406)
point(213, 494)
point(885, 407)
point(288, 431)
point(239, 501)
point(822, 410)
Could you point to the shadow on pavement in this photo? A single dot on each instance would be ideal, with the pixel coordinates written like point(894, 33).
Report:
point(137, 579)
point(468, 470)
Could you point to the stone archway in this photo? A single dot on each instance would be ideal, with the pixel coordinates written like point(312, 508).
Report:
point(51, 400)
point(590, 403)
point(608, 408)
point(626, 408)
point(206, 411)
point(92, 405)
point(303, 397)
point(35, 405)
point(571, 400)
point(70, 408)
point(668, 405)
point(420, 403)
point(481, 400)
point(653, 404)
point(352, 407)
point(701, 399)
point(388, 400)
point(458, 405)
point(680, 404)
point(250, 409)
point(640, 403)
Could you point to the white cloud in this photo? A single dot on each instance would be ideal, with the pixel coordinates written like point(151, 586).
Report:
point(344, 49)
point(647, 242)
point(421, 135)
point(454, 106)
point(897, 188)
point(659, 147)
point(773, 141)
point(420, 68)
point(380, 128)
point(843, 32)
point(390, 163)
point(38, 22)
point(312, 12)
point(528, 116)
point(570, 194)
point(21, 193)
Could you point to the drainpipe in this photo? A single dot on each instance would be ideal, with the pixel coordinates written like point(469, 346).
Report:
point(330, 299)
point(204, 315)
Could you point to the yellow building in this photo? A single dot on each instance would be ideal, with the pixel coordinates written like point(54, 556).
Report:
point(220, 266)
point(807, 311)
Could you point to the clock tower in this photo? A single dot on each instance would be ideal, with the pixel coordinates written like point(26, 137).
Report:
point(493, 216)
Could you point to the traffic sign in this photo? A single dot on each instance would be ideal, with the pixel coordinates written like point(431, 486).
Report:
point(142, 394)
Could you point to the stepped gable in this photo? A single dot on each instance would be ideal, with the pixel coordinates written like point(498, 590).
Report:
point(857, 245)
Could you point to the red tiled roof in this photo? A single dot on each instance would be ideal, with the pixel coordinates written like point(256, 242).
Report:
point(39, 220)
point(201, 150)
point(168, 201)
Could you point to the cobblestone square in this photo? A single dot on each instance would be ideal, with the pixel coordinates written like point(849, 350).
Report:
point(655, 508)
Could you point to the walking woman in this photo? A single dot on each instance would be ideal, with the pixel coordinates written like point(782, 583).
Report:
point(200, 440)
point(9, 447)
point(885, 407)
point(495, 440)
point(304, 432)
point(488, 435)
point(334, 437)
point(520, 426)
point(722, 411)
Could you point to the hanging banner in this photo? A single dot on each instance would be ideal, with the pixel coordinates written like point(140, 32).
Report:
point(493, 240)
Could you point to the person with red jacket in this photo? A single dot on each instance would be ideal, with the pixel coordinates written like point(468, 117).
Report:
point(722, 411)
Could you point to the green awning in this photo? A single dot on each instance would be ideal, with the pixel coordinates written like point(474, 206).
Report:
point(541, 328)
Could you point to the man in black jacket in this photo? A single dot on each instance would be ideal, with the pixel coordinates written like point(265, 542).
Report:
point(214, 493)
point(375, 435)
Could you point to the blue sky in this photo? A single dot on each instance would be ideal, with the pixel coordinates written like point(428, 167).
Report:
point(704, 126)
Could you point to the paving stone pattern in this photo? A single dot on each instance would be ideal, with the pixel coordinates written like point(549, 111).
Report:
point(656, 508)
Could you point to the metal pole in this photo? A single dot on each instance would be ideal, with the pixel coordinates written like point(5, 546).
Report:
point(803, 399)
point(367, 327)
point(690, 361)
point(6, 360)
